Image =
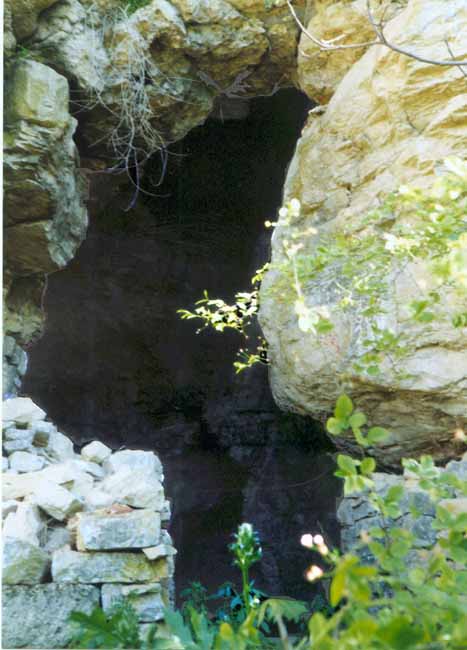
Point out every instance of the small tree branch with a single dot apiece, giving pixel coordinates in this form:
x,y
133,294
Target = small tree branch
x,y
378,28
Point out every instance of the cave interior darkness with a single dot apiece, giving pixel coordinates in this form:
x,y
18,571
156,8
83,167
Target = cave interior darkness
x,y
116,362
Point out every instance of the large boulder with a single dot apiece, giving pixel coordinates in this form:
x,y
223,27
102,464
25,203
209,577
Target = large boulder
x,y
392,121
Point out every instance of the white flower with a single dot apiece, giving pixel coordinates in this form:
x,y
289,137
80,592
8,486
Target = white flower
x,y
283,213
306,540
314,573
318,540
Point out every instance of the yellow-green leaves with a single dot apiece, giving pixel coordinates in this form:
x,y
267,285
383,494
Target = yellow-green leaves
x,y
345,418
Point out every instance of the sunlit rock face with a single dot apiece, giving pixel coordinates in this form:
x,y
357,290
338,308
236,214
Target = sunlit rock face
x,y
391,121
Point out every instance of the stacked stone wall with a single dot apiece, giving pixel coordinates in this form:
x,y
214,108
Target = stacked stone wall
x,y
79,530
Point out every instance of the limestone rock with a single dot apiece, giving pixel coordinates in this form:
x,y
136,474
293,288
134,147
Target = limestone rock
x,y
96,452
22,410
23,562
42,432
45,216
9,506
145,599
103,530
59,447
23,461
137,490
140,462
25,14
161,550
25,523
320,71
99,567
391,122
21,442
57,537
5,464
38,616
56,501
97,498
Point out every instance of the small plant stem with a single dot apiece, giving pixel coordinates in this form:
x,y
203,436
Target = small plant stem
x,y
246,589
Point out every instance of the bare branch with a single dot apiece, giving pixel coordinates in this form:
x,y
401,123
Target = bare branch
x,y
378,28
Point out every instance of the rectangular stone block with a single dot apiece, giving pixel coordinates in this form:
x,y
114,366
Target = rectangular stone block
x,y
147,600
97,567
23,563
38,616
102,531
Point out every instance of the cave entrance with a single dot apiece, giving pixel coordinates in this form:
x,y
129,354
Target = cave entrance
x,y
116,363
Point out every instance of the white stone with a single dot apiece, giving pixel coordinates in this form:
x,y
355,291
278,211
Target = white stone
x,y
23,563
5,464
96,452
102,567
23,443
56,501
22,410
16,487
138,461
139,490
97,498
145,599
59,447
25,523
161,550
42,432
9,506
23,461
81,486
57,537
86,466
104,531
14,434
166,511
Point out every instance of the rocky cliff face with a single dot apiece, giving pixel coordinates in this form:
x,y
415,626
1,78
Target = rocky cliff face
x,y
391,121
137,81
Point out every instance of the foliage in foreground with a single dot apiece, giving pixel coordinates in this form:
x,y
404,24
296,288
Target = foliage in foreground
x,y
420,231
388,603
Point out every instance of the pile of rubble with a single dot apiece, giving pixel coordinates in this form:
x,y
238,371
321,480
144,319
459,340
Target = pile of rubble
x,y
79,530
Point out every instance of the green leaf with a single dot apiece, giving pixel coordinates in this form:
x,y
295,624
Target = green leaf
x,y
367,466
287,608
335,426
357,420
337,589
347,464
344,407
377,434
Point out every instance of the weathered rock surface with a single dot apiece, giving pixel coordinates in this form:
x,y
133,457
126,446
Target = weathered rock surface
x,y
38,550
147,492
38,616
356,514
96,452
21,410
56,501
142,462
391,121
146,599
70,566
23,562
102,530
45,219
23,461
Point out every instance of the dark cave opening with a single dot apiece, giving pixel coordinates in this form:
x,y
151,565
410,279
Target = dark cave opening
x,y
117,363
